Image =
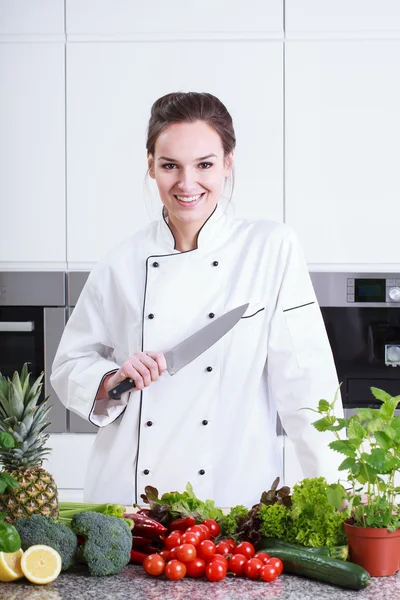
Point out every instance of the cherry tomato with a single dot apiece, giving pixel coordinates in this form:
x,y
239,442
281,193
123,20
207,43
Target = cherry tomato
x,y
165,555
236,564
206,549
175,570
245,548
198,531
268,572
174,539
172,554
186,553
231,543
190,538
221,559
215,571
253,568
276,563
206,530
263,556
196,568
222,548
154,564
212,526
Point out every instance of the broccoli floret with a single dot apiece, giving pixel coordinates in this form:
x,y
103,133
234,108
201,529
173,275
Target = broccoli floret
x,y
107,542
39,529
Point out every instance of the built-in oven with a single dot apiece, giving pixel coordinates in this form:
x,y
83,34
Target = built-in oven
x,y
32,319
362,318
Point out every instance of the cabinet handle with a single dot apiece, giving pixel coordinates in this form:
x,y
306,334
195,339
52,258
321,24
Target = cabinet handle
x,y
16,326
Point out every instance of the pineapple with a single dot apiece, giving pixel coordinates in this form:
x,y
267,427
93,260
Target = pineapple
x,y
21,416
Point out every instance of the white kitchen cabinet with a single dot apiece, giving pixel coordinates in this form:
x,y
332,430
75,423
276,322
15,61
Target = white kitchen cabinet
x,y
31,17
355,17
32,154
179,19
110,90
342,132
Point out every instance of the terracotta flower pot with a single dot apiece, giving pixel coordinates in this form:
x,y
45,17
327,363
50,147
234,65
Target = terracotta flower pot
x,y
376,550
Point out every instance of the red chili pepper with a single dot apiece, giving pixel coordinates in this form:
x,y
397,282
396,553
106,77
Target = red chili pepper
x,y
137,558
143,511
146,527
139,541
182,523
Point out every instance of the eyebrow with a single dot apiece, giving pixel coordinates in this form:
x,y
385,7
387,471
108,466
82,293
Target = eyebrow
x,y
195,160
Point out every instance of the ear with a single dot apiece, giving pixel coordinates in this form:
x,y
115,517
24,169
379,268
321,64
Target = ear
x,y
150,164
228,163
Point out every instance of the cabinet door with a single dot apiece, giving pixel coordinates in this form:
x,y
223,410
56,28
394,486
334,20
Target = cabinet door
x,y
342,132
31,17
110,90
32,140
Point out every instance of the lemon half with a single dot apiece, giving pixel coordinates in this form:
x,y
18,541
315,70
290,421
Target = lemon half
x,y
41,564
10,565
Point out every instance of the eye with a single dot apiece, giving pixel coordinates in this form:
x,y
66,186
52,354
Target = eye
x,y
205,165
168,166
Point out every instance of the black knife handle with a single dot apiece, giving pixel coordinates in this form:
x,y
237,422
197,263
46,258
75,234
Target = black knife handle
x,y
124,386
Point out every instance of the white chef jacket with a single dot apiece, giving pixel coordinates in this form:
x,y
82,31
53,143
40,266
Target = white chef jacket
x,y
214,422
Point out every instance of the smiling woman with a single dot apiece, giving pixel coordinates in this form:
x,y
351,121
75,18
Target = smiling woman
x,y
166,282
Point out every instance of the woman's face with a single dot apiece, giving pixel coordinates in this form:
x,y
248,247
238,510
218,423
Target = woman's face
x,y
189,168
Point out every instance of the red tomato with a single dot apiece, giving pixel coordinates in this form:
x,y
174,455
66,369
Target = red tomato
x,y
215,571
196,568
186,553
236,564
212,526
206,549
174,539
206,530
268,572
198,531
253,568
276,563
175,570
245,548
154,564
165,555
172,553
222,548
263,556
190,538
221,559
231,543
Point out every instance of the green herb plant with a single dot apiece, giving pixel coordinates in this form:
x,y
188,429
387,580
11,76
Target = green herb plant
x,y
372,451
6,481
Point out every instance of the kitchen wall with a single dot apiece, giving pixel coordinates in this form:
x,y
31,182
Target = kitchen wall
x,y
313,87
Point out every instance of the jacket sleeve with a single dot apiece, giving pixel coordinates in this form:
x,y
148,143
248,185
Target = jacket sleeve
x,y
300,365
83,359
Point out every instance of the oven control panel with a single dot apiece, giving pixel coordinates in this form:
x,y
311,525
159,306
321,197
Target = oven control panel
x,y
373,290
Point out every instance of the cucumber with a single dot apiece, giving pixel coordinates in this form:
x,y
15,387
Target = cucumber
x,y
322,568
341,552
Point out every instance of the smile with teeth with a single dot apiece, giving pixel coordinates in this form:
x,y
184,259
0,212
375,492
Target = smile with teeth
x,y
188,198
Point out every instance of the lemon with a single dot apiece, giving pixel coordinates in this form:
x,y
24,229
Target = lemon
x,y
41,564
10,565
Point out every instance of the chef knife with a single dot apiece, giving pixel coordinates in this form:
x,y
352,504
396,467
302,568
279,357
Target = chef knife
x,y
186,351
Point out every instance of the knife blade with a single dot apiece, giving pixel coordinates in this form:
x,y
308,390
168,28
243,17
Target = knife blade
x,y
186,351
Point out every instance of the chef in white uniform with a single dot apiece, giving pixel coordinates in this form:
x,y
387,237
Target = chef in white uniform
x,y
214,422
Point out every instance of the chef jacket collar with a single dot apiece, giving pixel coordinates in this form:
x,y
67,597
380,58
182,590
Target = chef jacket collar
x,y
207,234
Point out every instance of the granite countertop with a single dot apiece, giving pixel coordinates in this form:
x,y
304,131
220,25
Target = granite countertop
x,y
134,584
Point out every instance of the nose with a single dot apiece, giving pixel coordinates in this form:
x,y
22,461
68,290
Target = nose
x,y
186,180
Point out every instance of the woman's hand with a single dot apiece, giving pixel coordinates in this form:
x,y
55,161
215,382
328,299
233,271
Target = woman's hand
x,y
142,367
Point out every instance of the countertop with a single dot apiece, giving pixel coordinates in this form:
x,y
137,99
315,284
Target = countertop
x,y
134,584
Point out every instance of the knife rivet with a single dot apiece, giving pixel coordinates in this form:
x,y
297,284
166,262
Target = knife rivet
x,y
146,472
156,264
149,423
202,472
205,422
215,263
211,315
151,316
209,369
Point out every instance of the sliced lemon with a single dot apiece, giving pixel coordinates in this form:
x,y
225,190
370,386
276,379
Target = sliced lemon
x,y
41,564
10,565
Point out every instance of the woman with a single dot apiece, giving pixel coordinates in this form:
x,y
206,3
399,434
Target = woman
x,y
213,423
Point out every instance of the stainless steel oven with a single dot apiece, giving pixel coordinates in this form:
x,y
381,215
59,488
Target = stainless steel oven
x,y
32,319
362,317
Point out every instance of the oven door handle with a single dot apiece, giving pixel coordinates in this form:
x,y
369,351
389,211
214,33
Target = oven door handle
x,y
16,326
